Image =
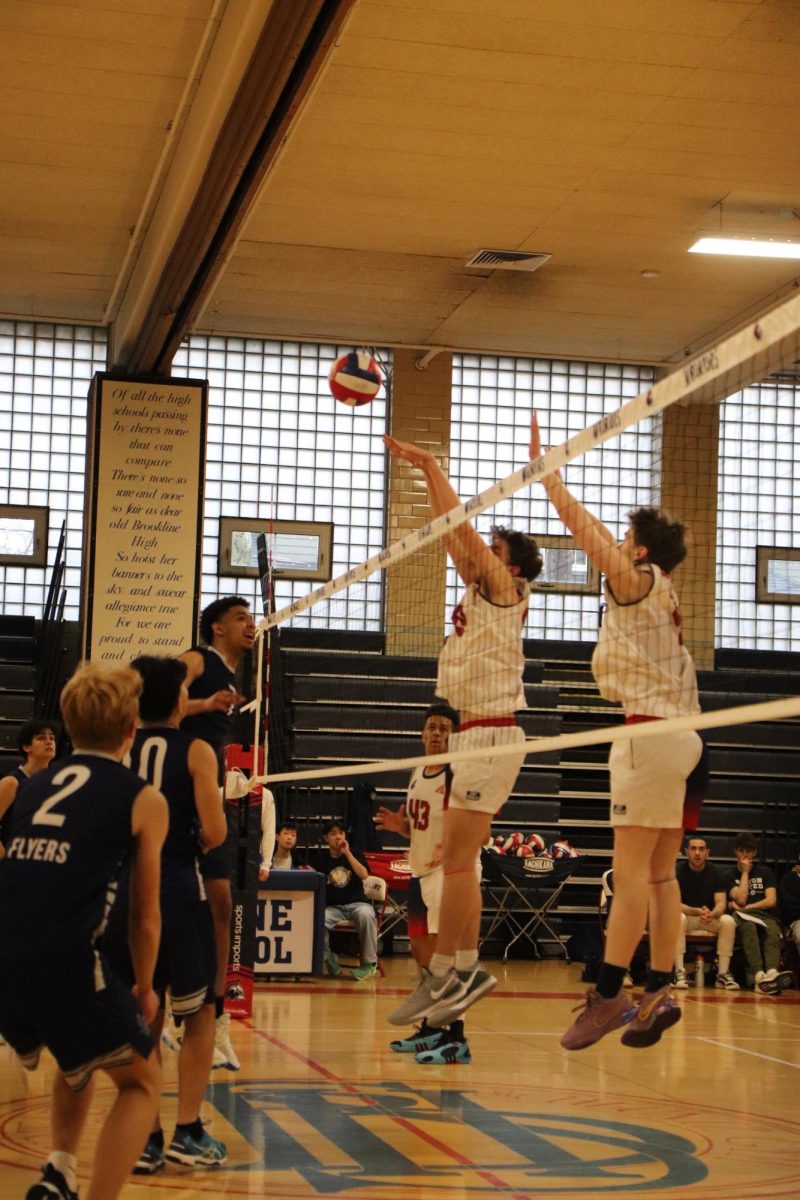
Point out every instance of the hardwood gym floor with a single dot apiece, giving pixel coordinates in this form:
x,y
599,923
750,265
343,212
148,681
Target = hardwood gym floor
x,y
322,1107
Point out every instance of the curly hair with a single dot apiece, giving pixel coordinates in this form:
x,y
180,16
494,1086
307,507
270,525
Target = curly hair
x,y
216,609
522,551
663,539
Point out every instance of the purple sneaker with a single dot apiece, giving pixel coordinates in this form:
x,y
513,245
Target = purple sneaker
x,y
598,1016
655,1012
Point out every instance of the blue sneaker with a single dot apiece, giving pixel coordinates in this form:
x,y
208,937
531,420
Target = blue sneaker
x,y
365,971
445,1052
151,1159
204,1151
423,1038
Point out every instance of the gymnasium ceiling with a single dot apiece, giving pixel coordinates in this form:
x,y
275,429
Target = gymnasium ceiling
x,y
324,169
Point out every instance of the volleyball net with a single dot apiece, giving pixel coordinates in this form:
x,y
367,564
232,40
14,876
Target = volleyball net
x,y
416,613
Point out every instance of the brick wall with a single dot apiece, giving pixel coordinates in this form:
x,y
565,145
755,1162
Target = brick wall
x,y
415,588
690,445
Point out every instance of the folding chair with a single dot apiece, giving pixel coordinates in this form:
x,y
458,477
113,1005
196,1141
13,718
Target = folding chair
x,y
395,869
524,891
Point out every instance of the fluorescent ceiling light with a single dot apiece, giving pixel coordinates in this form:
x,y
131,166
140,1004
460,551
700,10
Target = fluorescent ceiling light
x,y
745,247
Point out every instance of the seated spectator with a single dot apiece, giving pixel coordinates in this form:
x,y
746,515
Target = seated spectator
x,y
789,900
345,873
753,901
36,743
704,899
282,854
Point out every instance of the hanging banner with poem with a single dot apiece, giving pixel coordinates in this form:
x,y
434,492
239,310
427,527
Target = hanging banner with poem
x,y
144,524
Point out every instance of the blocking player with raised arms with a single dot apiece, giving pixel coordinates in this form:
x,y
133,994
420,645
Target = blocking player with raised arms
x,y
75,825
228,629
421,819
184,769
480,675
641,661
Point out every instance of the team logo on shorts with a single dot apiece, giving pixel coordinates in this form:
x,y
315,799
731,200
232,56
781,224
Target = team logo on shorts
x,y
620,810
473,796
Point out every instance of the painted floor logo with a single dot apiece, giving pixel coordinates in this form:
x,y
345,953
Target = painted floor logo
x,y
391,1135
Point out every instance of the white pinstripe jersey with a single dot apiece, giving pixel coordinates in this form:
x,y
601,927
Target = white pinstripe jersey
x,y
640,658
481,663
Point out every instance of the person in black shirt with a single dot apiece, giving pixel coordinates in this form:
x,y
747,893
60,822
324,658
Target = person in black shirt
x,y
76,825
704,900
36,742
228,629
753,899
345,873
185,770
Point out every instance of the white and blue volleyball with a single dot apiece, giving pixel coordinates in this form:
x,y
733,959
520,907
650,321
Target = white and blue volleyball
x,y
355,378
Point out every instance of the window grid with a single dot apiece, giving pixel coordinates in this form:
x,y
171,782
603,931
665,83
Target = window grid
x,y
45,373
490,431
759,478
279,445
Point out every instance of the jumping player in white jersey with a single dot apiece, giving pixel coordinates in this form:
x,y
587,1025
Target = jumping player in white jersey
x,y
641,661
421,819
480,675
75,825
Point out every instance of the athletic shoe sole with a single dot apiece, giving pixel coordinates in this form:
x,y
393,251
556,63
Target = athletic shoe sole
x,y
640,1038
784,980
185,1159
451,1052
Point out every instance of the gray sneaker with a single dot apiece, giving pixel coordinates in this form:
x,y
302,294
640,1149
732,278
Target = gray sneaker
x,y
473,985
430,991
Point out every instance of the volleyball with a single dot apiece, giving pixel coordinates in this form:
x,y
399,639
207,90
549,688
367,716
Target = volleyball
x,y
524,851
512,841
355,378
536,842
562,849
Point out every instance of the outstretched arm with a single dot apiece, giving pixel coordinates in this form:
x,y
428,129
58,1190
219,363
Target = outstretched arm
x,y
473,559
591,535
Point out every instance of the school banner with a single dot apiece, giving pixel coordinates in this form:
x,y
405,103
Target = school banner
x,y
142,553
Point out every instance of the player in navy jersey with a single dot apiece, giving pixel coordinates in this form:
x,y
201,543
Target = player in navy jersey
x,y
76,825
36,743
228,629
184,769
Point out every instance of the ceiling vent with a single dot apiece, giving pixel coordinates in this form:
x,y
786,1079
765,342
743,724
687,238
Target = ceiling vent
x,y
507,260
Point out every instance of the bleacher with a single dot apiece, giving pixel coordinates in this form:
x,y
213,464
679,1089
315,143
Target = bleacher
x,y
348,702
17,681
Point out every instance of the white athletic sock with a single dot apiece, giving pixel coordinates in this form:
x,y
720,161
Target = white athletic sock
x,y
440,964
466,960
724,964
67,1164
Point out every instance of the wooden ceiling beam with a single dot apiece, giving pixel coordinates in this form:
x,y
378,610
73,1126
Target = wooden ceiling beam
x,y
287,58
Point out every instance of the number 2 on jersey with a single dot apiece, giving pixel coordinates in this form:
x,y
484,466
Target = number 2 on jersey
x,y
77,777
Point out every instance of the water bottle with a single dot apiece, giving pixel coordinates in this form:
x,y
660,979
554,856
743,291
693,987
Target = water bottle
x,y
700,971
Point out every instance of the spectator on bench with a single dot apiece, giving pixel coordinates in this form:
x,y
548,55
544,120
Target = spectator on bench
x,y
753,900
704,899
789,900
